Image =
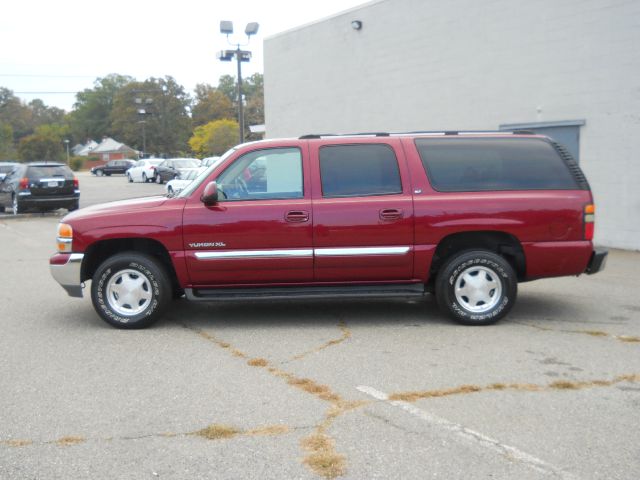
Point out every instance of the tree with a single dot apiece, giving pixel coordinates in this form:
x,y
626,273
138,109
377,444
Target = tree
x,y
7,148
15,113
91,117
165,120
44,144
215,137
210,104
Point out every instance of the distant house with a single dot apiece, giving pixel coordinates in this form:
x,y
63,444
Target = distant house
x,y
84,150
109,149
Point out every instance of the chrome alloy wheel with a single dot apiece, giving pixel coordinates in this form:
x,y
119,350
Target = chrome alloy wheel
x,y
478,289
129,292
15,207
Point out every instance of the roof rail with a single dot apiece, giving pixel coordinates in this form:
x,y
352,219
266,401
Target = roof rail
x,y
420,132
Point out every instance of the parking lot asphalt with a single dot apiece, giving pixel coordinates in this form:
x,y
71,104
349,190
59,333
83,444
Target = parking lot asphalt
x,y
319,389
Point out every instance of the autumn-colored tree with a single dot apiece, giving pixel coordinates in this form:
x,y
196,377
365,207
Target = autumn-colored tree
x,y
214,138
210,104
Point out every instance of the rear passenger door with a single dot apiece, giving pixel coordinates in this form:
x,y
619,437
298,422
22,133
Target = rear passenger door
x,y
362,212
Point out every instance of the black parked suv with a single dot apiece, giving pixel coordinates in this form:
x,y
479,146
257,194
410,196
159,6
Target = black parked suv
x,y
113,166
39,186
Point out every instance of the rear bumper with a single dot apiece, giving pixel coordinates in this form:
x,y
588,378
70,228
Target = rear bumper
x,y
65,269
28,200
597,262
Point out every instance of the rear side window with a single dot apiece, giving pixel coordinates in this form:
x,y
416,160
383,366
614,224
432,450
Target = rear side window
x,y
359,170
44,171
481,164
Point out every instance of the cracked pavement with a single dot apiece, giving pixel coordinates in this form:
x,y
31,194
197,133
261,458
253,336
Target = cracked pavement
x,y
348,389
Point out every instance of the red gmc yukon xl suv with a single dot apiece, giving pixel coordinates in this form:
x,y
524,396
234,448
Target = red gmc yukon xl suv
x,y
465,216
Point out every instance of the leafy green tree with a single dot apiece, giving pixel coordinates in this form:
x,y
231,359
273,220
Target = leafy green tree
x,y
210,104
44,144
165,125
7,147
214,138
91,117
15,113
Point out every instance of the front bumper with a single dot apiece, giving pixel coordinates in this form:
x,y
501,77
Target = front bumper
x,y
65,268
598,261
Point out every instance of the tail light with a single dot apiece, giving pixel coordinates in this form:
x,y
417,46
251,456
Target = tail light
x,y
24,184
589,221
76,183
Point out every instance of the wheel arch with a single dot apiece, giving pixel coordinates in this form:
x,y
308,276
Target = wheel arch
x,y
99,251
501,243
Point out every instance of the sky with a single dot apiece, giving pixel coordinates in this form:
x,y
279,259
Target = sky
x,y
64,46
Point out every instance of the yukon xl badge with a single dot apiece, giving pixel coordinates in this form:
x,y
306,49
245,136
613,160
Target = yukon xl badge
x,y
207,244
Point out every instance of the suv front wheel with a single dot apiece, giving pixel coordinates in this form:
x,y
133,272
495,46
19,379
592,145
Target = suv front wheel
x,y
130,290
476,287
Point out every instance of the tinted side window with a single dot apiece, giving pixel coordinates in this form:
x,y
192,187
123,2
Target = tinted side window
x,y
359,170
274,173
481,164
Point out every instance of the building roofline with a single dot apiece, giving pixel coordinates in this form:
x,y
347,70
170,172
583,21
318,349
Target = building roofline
x,y
323,19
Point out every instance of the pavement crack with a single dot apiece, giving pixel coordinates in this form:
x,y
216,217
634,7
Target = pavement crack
x,y
321,457
413,396
591,333
346,334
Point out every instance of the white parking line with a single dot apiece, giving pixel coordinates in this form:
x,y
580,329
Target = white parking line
x,y
468,434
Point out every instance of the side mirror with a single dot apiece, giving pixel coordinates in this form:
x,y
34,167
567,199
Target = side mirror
x,y
210,194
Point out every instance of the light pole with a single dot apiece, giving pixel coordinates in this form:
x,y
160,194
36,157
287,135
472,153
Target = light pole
x,y
226,28
66,142
142,113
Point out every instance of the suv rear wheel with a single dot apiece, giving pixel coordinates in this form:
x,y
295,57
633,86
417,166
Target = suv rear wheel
x,y
476,287
130,290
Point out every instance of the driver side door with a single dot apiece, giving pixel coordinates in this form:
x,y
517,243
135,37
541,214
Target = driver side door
x,y
260,231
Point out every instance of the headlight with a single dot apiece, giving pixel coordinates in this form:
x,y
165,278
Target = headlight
x,y
65,238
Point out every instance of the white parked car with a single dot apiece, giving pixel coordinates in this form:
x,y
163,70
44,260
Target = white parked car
x,y
144,170
177,184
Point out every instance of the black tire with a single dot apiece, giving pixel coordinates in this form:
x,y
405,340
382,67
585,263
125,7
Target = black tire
x,y
159,179
129,178
144,177
74,206
170,190
133,267
481,304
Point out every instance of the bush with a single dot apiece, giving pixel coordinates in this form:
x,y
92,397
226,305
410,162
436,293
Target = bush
x,y
76,163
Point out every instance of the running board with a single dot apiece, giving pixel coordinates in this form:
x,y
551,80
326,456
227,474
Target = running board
x,y
295,293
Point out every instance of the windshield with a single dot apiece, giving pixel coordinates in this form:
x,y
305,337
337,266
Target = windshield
x,y
204,174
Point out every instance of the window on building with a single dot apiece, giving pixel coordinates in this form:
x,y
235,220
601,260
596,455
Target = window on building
x,y
359,170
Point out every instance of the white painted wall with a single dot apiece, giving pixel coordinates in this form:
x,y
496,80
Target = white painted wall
x,y
465,64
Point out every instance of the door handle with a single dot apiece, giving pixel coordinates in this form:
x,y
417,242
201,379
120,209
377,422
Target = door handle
x,y
297,216
390,214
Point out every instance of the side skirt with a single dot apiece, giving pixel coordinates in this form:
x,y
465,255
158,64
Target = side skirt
x,y
316,292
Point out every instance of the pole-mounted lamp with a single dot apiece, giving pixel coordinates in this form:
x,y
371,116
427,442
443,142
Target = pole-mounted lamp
x,y
226,28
